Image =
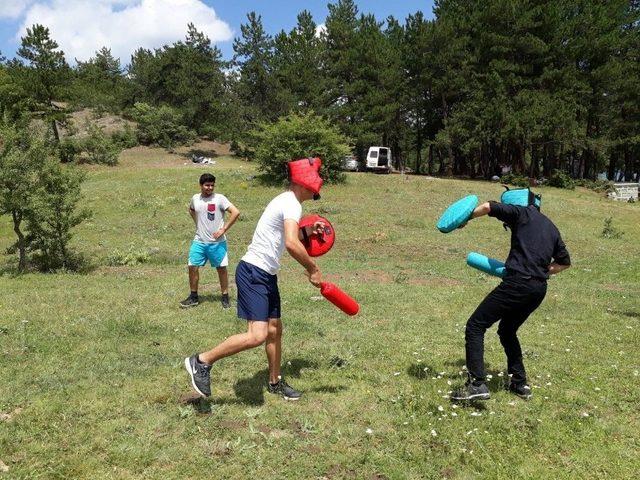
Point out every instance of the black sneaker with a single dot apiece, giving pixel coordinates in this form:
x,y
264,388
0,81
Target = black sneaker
x,y
284,389
225,301
200,375
189,302
471,392
522,390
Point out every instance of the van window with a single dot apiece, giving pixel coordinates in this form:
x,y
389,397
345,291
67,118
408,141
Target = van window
x,y
373,154
383,151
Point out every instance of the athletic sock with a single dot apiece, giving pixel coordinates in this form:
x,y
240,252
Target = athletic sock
x,y
194,294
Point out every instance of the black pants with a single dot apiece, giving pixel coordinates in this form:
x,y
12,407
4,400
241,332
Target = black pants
x,y
511,302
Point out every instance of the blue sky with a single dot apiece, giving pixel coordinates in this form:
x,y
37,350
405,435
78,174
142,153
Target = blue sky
x,y
83,26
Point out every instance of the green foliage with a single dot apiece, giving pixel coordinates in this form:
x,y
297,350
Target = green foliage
x,y
609,231
125,138
601,186
515,180
53,213
97,147
20,157
160,126
299,136
560,179
129,257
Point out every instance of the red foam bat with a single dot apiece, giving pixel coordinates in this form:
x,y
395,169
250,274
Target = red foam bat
x,y
339,298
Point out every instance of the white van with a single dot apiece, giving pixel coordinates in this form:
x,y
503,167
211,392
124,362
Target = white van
x,y
379,158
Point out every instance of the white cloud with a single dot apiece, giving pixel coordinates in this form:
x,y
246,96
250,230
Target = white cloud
x,y
83,26
13,8
321,30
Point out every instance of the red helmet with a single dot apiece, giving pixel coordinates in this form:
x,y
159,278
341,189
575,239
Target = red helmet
x,y
305,172
317,244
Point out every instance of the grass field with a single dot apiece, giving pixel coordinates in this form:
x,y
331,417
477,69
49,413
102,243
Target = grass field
x,y
93,385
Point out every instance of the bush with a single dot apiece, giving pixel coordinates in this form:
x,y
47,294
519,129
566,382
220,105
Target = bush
x,y
130,257
125,138
97,147
162,126
53,213
560,179
609,231
69,149
299,136
601,186
515,180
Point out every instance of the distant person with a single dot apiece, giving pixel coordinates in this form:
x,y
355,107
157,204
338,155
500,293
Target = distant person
x,y
537,251
257,281
207,209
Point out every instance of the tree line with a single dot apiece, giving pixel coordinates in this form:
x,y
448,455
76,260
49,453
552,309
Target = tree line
x,y
534,86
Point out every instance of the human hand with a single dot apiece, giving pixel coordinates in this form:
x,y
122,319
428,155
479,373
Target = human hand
x,y
218,234
315,278
318,227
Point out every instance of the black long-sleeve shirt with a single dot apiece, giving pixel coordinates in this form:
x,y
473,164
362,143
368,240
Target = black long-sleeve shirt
x,y
535,241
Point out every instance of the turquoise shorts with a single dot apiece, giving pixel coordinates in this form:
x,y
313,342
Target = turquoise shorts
x,y
216,253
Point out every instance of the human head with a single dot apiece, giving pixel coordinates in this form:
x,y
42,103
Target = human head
x,y
305,173
207,184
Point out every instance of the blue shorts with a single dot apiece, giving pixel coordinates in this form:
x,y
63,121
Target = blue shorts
x,y
258,294
216,253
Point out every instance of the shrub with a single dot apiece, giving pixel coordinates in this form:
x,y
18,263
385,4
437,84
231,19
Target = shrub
x,y
515,180
130,257
601,186
125,138
560,179
162,126
609,231
97,147
299,136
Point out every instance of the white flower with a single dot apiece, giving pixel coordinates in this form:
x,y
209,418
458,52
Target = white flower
x,y
585,414
454,414
369,431
440,408
434,433
476,414
395,374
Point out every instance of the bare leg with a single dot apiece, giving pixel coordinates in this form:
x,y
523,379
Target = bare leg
x,y
224,280
194,278
273,347
256,335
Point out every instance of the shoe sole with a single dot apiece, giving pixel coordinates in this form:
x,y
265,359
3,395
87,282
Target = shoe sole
x,y
478,396
187,365
291,399
189,306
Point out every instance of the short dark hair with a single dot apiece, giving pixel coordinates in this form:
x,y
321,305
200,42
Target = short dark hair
x,y
207,178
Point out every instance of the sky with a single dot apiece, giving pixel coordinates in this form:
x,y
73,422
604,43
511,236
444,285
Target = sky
x,y
83,26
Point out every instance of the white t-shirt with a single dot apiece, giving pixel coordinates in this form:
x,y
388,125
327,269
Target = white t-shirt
x,y
268,240
209,216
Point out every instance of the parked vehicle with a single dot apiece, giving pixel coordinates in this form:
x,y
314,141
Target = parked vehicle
x,y
350,163
379,159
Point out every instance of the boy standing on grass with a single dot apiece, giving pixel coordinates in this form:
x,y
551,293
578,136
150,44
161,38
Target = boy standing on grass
x,y
258,294
207,210
537,251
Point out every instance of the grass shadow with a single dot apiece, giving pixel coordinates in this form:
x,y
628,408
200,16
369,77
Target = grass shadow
x,y
199,152
250,391
420,371
628,313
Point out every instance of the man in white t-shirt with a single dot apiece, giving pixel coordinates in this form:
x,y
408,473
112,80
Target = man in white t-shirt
x,y
258,294
210,243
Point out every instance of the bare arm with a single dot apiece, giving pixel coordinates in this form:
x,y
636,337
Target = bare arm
x,y
299,253
556,268
482,209
234,213
192,212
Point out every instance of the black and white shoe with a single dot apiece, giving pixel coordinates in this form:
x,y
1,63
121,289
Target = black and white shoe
x,y
189,302
225,301
284,389
200,375
471,392
522,390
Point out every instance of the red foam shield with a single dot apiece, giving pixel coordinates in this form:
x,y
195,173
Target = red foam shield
x,y
317,244
305,172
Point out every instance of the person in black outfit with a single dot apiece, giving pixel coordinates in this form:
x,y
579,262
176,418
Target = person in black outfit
x,y
537,251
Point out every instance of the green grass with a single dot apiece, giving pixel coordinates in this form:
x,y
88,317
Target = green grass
x,y
91,365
